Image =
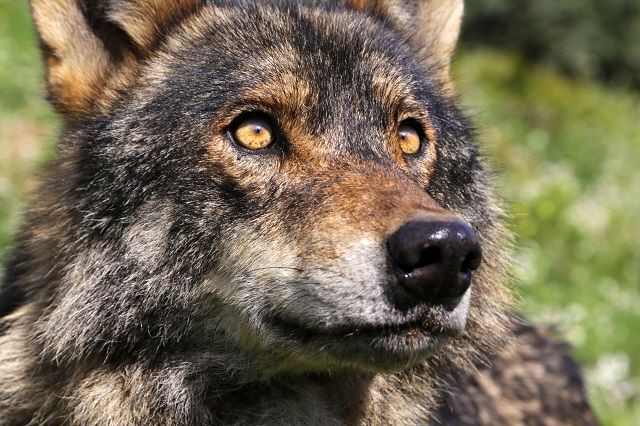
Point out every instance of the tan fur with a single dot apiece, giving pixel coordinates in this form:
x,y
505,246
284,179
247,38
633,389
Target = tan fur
x,y
77,61
82,77
145,20
444,19
434,25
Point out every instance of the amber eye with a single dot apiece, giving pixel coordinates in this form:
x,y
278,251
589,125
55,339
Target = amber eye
x,y
410,138
253,133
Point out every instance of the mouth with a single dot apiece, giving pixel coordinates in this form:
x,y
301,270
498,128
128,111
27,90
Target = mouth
x,y
378,347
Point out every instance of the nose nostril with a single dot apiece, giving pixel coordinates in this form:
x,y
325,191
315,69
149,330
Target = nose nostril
x,y
429,256
471,261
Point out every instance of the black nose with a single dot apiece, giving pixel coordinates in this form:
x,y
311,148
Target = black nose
x,y
434,260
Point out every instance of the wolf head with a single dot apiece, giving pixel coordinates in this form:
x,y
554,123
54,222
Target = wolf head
x,y
289,184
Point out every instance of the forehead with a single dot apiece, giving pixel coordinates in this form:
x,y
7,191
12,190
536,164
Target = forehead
x,y
328,62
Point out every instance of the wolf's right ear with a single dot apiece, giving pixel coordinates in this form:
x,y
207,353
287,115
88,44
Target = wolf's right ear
x,y
90,46
433,26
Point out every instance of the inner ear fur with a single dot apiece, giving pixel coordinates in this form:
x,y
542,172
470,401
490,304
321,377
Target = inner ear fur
x,y
145,21
432,25
91,46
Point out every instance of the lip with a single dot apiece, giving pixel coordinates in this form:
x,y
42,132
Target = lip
x,y
378,347
300,332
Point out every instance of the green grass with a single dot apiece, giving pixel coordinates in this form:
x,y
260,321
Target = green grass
x,y
568,154
26,123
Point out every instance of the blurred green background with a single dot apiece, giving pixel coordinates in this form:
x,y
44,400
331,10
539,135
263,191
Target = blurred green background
x,y
553,87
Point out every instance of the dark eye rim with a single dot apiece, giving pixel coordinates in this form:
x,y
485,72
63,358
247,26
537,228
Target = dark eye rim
x,y
277,134
420,130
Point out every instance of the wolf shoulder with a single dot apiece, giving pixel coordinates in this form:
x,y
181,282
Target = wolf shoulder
x,y
532,381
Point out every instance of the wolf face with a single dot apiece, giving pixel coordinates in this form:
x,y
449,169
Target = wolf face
x,y
288,186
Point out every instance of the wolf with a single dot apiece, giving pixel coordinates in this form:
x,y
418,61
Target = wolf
x,y
268,212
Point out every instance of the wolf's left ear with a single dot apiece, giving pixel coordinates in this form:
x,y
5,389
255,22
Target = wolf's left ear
x,y
91,46
432,25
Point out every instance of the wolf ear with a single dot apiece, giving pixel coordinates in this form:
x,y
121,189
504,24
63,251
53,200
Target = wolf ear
x,y
90,46
146,21
432,25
